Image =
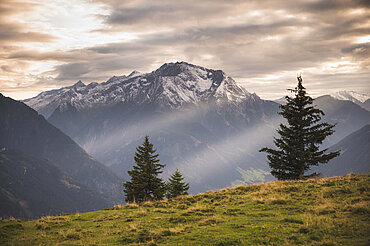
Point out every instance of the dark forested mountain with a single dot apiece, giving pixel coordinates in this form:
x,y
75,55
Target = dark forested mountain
x,y
33,187
22,128
199,119
355,155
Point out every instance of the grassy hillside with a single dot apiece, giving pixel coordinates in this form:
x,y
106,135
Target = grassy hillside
x,y
333,211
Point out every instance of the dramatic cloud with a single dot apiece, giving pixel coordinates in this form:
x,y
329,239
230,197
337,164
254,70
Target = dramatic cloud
x,y
15,31
72,70
261,44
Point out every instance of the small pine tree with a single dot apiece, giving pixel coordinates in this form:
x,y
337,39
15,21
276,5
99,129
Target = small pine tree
x,y
299,141
176,186
145,185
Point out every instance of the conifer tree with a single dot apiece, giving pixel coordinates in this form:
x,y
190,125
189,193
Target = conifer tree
x,y
176,186
298,145
145,185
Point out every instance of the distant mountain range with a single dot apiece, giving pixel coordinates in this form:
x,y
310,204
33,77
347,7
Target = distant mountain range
x,y
362,99
48,150
354,157
199,119
348,116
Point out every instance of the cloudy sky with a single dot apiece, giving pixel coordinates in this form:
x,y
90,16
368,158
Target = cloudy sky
x,y
261,44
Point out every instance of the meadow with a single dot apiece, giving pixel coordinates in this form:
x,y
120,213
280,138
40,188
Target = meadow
x,y
327,211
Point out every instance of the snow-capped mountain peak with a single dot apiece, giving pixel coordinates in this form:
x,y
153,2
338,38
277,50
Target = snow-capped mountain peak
x,y
78,84
170,86
134,74
194,83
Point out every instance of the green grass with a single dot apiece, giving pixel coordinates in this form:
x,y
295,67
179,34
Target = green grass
x,y
333,211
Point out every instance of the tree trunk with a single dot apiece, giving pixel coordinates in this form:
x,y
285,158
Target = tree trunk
x,y
301,174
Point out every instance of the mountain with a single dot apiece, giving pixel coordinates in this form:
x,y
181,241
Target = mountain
x,y
280,100
352,96
199,119
46,102
354,157
33,187
355,97
23,129
348,116
171,86
366,105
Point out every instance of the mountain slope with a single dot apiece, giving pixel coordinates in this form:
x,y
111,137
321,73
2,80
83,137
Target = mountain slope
x,y
21,128
330,211
355,155
46,102
366,105
31,188
348,116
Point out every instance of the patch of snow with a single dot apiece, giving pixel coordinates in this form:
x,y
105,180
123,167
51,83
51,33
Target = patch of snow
x,y
134,74
353,96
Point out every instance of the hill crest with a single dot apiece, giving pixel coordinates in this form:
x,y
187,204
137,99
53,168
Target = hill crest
x,y
330,211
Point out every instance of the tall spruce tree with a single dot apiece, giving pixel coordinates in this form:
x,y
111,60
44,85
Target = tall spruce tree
x,y
145,185
298,145
176,186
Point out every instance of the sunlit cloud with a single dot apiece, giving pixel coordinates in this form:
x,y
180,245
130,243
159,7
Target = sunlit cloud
x,y
340,66
357,11
363,39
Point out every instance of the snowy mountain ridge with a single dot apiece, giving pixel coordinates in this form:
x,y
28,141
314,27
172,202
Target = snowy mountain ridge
x,y
352,96
173,85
